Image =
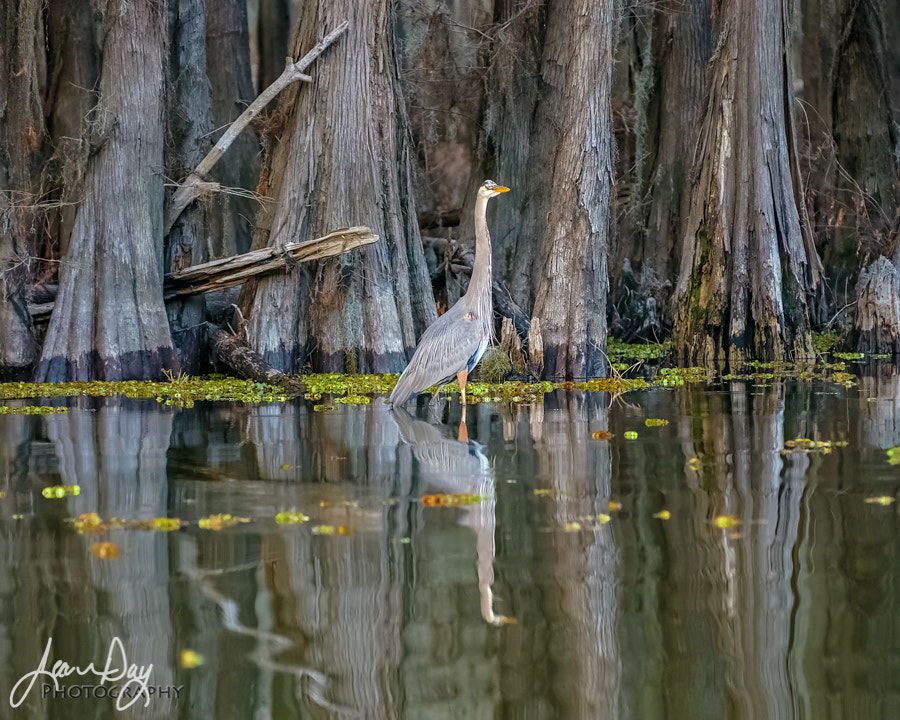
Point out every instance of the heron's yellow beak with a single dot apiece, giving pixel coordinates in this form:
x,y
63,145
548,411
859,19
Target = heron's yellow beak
x,y
500,189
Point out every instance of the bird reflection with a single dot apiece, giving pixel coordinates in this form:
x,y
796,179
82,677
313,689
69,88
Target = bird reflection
x,y
459,467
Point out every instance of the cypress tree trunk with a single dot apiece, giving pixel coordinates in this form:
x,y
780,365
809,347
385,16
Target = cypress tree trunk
x,y
231,91
109,321
571,294
21,138
272,25
849,51
547,135
342,158
188,126
668,66
748,266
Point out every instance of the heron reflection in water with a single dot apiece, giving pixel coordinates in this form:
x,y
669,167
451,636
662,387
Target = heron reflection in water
x,y
454,343
459,467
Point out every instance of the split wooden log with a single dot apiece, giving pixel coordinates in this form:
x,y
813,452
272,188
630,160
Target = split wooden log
x,y
535,364
877,324
198,180
228,272
512,346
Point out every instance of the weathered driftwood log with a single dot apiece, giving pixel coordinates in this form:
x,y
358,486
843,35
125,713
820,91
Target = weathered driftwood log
x,y
241,360
535,364
511,344
232,271
877,324
196,182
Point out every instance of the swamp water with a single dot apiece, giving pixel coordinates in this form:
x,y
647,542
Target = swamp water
x,y
376,565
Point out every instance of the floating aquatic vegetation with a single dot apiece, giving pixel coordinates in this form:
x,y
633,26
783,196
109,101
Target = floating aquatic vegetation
x,y
105,550
662,515
883,500
726,522
332,530
452,499
602,435
191,659
60,491
618,351
220,521
807,445
893,455
354,400
675,377
182,391
694,464
655,422
93,524
291,518
630,435
33,410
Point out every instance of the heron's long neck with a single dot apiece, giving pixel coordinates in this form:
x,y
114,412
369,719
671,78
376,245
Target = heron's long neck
x,y
481,271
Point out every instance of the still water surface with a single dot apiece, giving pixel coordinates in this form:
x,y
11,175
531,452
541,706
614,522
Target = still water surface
x,y
731,577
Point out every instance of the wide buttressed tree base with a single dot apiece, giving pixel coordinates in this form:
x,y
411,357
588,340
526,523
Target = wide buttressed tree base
x,y
749,269
109,321
340,158
547,135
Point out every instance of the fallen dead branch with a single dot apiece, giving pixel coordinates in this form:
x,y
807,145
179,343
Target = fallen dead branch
x,y
199,178
229,272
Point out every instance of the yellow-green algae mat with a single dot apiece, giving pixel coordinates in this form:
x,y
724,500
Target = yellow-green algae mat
x,y
182,391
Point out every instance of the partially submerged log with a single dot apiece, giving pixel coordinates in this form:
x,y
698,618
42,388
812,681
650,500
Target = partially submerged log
x,y
877,324
232,351
229,272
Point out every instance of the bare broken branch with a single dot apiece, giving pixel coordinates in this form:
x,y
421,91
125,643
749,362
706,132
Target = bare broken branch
x,y
228,272
293,72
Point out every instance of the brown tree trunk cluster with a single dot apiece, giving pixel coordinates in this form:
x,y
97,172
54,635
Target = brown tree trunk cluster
x,y
726,167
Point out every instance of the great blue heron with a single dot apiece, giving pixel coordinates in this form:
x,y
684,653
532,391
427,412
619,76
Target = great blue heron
x,y
455,342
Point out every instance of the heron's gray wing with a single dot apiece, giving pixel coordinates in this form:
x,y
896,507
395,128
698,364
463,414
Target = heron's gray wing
x,y
444,349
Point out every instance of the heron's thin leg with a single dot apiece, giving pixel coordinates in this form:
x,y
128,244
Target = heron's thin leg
x,y
461,377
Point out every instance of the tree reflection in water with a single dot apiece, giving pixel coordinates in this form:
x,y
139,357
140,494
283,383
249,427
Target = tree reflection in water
x,y
376,606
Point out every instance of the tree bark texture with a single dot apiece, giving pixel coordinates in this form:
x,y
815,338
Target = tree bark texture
x,y
231,90
876,328
187,127
747,269
444,93
22,135
342,158
73,71
848,56
667,46
109,321
571,294
547,135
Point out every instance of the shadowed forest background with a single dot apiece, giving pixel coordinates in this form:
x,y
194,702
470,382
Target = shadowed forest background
x,y
722,172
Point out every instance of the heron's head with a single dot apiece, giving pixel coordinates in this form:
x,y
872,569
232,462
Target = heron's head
x,y
490,188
